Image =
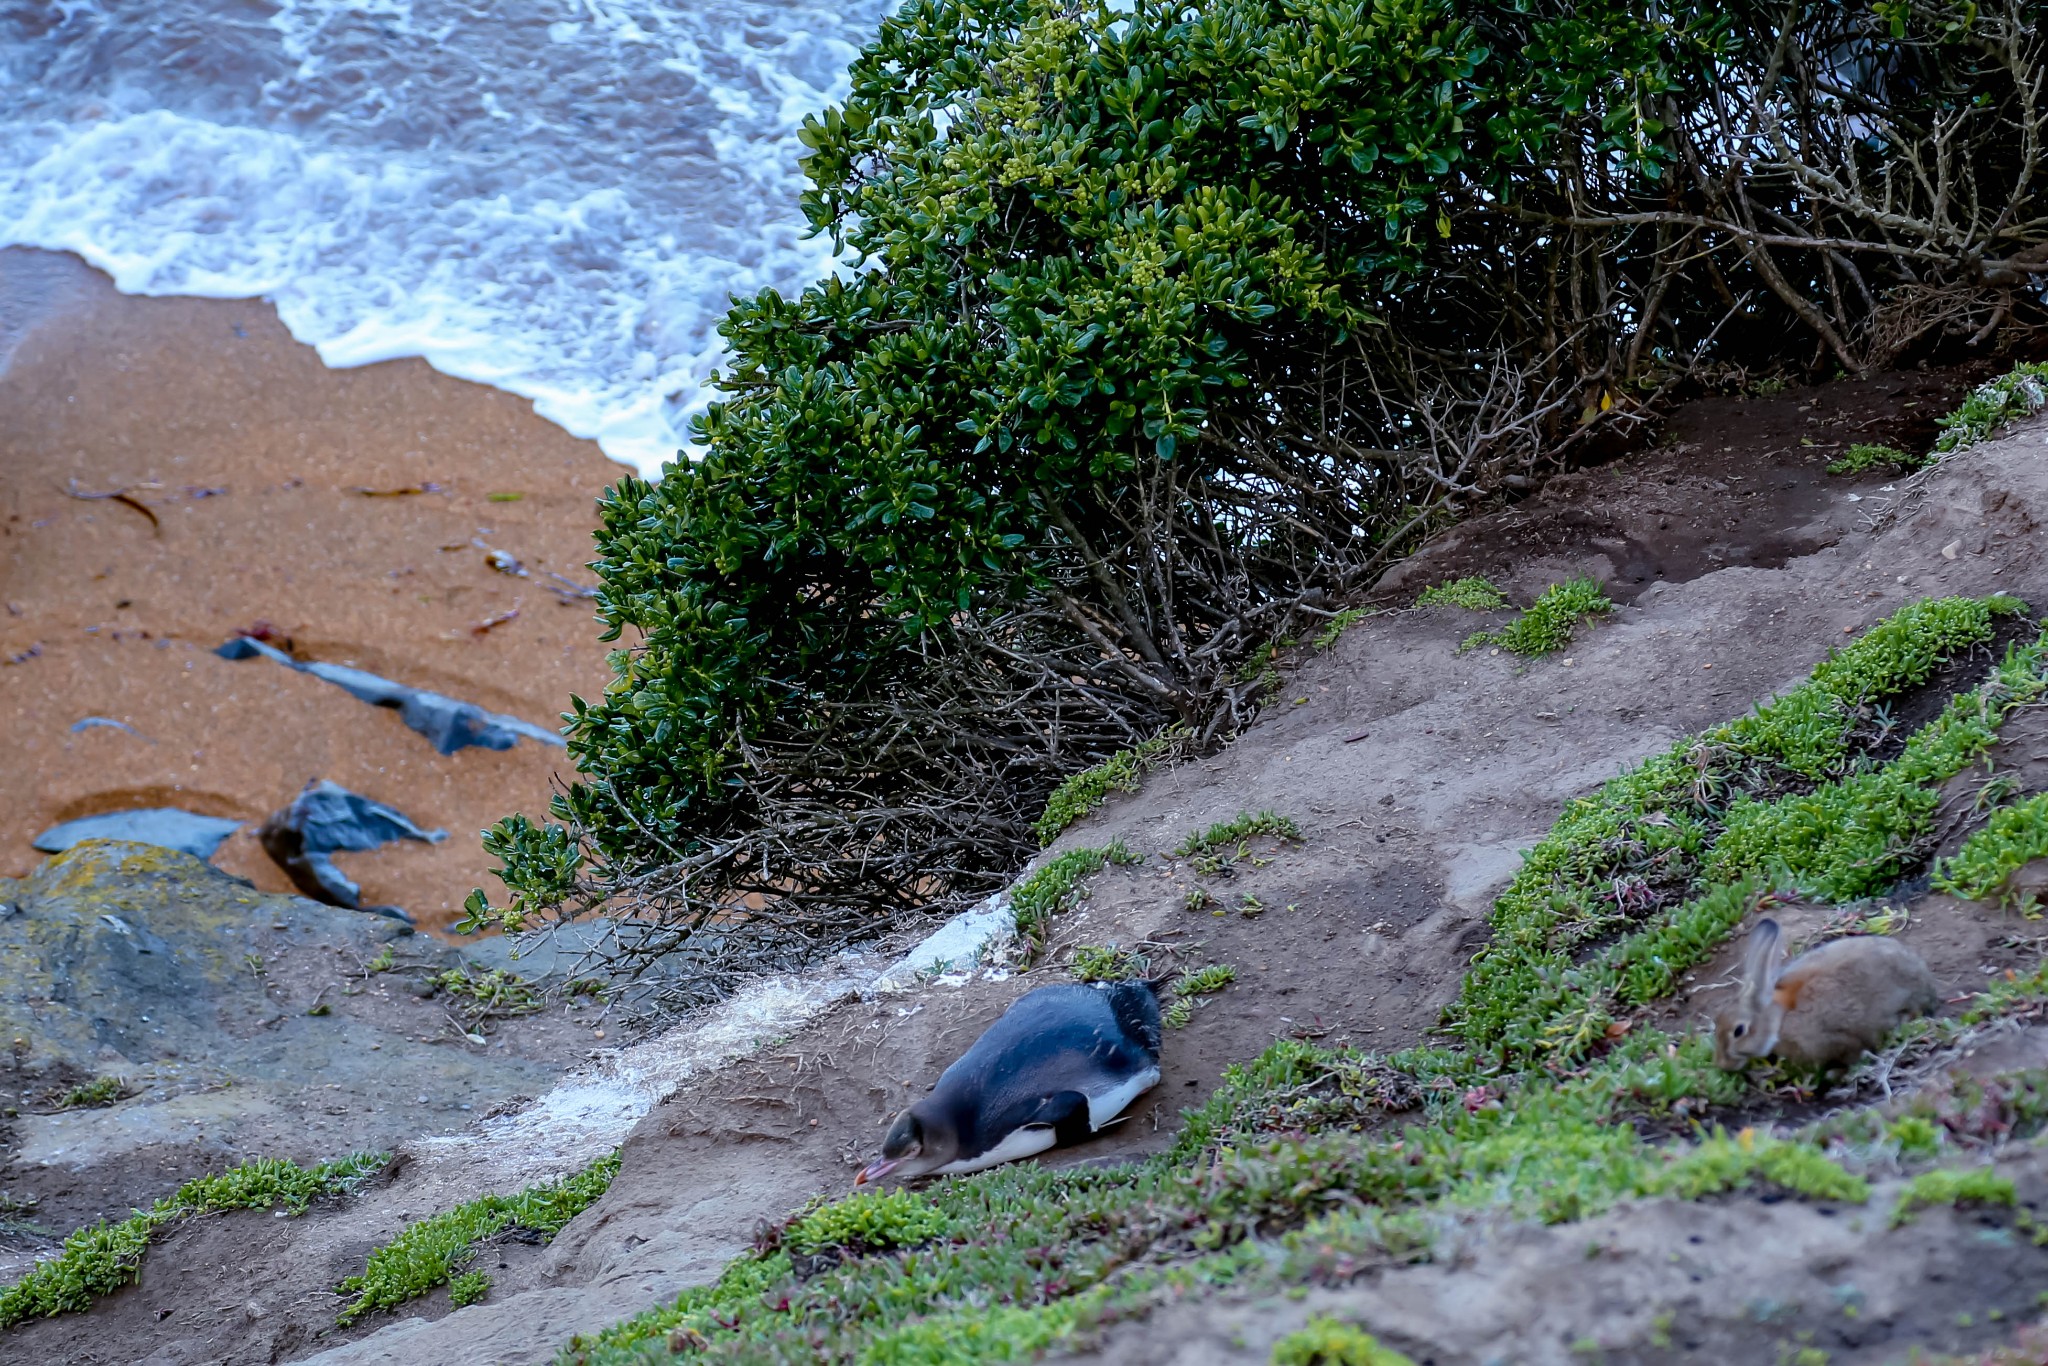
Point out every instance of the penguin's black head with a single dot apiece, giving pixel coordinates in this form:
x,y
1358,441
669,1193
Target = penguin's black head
x,y
915,1146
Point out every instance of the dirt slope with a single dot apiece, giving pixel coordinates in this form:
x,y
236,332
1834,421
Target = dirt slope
x,y
1416,773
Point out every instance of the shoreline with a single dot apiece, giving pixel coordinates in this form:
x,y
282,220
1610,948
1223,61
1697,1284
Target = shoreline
x,y
261,489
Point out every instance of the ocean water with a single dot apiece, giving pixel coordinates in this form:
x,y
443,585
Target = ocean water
x,y
554,197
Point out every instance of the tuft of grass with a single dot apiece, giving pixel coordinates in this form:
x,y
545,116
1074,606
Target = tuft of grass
x,y
1474,594
101,1258
433,1251
96,1094
1863,457
1947,1186
2020,392
1547,626
1341,623
2014,837
1332,1342
1235,831
1120,772
1057,886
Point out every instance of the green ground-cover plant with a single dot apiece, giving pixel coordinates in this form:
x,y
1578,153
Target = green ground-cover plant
x,y
1951,1186
2015,836
104,1257
1243,826
1664,860
1332,1342
1191,989
1863,457
1103,963
1337,625
2020,392
468,1288
1088,789
1057,885
96,1094
1475,593
1160,331
1548,624
436,1250
486,993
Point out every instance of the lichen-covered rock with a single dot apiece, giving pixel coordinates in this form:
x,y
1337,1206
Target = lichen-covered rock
x,y
120,956
237,1023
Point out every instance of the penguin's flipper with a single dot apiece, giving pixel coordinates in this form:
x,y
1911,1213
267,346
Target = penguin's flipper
x,y
1066,1114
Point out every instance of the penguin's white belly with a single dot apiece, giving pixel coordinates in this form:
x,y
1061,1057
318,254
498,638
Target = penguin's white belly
x,y
1018,1143
1034,1139
1107,1106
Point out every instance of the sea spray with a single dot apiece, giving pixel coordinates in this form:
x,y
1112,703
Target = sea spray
x,y
553,198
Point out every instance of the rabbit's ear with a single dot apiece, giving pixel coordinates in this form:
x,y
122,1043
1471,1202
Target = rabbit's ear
x,y
1760,963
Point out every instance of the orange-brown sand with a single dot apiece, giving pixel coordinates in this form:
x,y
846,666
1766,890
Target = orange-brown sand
x,y
250,456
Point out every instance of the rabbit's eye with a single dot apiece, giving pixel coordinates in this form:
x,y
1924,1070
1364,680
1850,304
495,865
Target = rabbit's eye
x,y
1740,1030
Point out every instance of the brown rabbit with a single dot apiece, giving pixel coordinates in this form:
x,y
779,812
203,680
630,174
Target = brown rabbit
x,y
1824,1007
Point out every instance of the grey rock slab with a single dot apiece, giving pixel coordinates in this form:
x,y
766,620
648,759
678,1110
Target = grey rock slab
x,y
186,831
244,1024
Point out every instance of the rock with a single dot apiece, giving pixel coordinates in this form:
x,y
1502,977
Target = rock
x,y
167,826
449,724
199,991
324,818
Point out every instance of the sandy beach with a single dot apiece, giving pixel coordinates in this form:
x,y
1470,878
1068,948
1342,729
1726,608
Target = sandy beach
x,y
271,485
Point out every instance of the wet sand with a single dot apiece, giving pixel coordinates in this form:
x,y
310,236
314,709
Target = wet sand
x,y
251,456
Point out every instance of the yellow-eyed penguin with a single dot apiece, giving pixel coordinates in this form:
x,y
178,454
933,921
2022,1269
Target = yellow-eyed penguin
x,y
1059,1065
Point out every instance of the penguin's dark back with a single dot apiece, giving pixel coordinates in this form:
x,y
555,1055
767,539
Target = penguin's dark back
x,y
1049,1032
1136,1005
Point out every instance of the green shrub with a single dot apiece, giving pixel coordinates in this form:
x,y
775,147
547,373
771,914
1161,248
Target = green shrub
x,y
1547,626
433,1251
104,1257
1165,327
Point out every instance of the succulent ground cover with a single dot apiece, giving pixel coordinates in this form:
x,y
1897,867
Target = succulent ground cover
x,y
102,1258
1549,1097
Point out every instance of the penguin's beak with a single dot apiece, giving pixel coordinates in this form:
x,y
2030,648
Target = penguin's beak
x,y
875,1171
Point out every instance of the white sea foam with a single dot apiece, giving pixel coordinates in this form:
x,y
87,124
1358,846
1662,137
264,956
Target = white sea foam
x,y
555,197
